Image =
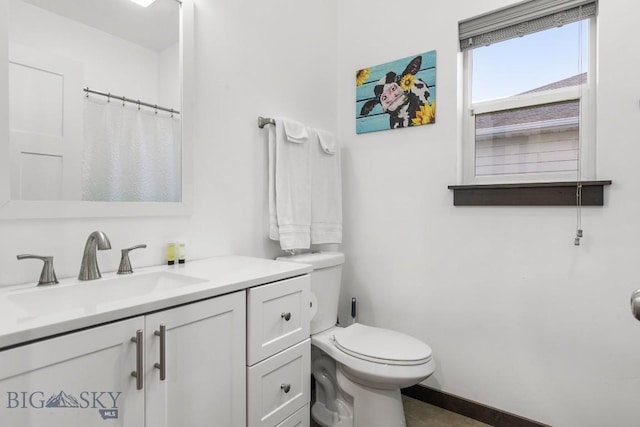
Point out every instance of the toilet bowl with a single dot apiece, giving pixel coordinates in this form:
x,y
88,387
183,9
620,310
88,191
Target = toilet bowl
x,y
376,357
371,366
358,370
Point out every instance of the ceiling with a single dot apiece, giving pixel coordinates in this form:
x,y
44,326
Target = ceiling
x,y
155,27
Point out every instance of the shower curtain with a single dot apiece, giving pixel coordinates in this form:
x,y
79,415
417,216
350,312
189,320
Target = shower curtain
x,y
130,154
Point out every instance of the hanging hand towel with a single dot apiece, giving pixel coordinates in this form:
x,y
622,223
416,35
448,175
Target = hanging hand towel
x,y
289,185
274,234
326,188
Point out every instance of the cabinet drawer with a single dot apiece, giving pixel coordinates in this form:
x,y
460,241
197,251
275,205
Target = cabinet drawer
x,y
277,317
302,418
279,386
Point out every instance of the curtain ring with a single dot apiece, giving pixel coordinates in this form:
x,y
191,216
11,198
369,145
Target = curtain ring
x,y
109,97
156,107
86,90
123,98
138,105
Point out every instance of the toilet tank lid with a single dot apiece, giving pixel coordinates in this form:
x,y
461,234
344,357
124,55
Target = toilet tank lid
x,y
316,259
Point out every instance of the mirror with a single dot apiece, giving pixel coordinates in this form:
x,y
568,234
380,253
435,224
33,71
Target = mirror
x,y
95,108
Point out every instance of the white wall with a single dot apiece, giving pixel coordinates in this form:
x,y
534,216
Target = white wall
x,y
169,77
110,64
253,58
517,316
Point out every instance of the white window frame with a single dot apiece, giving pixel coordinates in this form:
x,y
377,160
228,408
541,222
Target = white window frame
x,y
587,129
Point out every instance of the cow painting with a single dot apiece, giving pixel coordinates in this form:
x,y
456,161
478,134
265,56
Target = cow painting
x,y
403,97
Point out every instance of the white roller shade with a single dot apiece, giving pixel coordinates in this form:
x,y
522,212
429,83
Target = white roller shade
x,y
521,19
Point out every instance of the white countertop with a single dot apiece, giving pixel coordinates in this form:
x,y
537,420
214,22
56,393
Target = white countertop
x,y
219,275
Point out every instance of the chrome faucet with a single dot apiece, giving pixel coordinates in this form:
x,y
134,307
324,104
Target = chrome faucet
x,y
89,268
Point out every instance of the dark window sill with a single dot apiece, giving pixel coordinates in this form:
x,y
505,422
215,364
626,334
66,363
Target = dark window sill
x,y
529,194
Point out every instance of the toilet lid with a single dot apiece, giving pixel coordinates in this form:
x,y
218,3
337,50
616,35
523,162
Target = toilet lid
x,y
381,345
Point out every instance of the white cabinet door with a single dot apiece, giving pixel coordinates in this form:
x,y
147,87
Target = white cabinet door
x,y
205,381
75,380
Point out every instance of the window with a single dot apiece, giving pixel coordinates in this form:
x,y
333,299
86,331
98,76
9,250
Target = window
x,y
529,94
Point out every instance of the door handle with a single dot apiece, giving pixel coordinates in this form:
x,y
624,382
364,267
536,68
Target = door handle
x,y
139,372
162,333
635,304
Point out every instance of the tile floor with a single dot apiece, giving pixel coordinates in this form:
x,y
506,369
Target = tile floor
x,y
420,414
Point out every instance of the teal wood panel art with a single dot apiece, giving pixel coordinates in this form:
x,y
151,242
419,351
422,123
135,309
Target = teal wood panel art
x,y
397,94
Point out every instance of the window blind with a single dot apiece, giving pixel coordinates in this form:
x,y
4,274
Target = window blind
x,y
522,19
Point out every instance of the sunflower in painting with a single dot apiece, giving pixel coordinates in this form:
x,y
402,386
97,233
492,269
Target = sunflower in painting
x,y
426,115
407,82
362,76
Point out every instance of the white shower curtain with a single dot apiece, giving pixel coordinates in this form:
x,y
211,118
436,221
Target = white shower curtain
x,y
130,154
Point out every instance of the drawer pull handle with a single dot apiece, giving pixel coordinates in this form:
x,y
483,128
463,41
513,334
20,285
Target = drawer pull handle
x,y
285,387
286,316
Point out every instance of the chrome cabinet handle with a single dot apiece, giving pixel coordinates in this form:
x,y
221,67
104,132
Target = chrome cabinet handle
x,y
635,304
285,387
139,372
286,316
162,333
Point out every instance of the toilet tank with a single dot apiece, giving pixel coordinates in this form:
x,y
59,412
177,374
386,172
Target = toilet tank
x,y
325,285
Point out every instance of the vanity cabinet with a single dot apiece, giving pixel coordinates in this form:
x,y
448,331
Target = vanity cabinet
x,y
77,379
85,378
279,354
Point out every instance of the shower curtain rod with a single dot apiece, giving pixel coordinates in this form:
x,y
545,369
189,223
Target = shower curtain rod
x,y
132,101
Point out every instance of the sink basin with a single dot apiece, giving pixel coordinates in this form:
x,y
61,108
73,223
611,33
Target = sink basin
x,y
97,295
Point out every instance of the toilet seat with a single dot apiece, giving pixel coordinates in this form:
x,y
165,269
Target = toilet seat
x,y
381,345
378,373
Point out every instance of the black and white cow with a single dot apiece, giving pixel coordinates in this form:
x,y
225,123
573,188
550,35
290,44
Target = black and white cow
x,y
401,105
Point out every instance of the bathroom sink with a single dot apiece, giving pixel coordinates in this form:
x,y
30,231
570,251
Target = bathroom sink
x,y
98,295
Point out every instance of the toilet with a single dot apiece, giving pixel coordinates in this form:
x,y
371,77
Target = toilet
x,y
358,370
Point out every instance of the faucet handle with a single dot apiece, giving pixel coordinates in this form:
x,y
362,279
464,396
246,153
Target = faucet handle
x,y
125,263
48,275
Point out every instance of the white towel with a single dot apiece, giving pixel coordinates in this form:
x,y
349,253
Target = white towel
x,y
274,234
326,188
289,184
